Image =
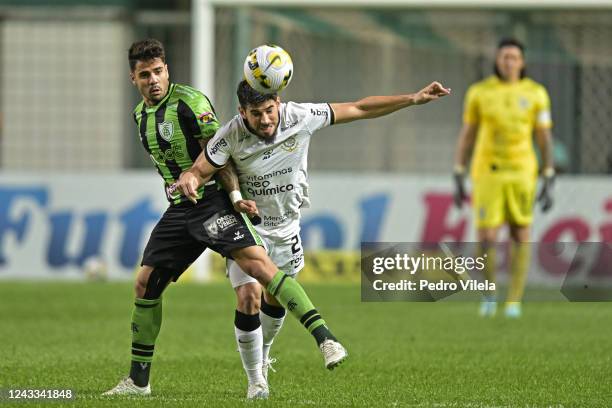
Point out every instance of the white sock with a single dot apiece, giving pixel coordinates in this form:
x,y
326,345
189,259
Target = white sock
x,y
250,348
270,327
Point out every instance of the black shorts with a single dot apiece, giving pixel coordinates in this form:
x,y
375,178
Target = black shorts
x,y
186,230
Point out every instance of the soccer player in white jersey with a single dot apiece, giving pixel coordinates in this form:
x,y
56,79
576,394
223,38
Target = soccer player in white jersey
x,y
268,142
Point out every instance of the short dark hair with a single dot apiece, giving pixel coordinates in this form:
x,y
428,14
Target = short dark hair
x,y
510,42
146,50
249,96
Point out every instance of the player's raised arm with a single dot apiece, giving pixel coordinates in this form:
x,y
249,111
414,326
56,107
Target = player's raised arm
x,y
376,106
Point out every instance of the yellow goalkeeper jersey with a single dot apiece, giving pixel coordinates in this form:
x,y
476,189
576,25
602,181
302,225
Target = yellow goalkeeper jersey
x,y
506,115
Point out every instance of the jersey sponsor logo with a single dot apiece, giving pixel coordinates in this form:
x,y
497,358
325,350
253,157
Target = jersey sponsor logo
x,y
290,144
267,154
221,143
318,112
159,157
276,220
172,192
261,188
206,117
275,173
166,130
288,126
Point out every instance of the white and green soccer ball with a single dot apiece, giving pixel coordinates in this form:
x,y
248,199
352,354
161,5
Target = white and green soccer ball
x,y
268,68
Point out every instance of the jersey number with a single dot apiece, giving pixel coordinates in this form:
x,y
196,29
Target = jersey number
x,y
295,247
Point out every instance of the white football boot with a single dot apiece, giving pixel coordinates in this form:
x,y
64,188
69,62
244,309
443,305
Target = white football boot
x,y
258,391
127,387
333,353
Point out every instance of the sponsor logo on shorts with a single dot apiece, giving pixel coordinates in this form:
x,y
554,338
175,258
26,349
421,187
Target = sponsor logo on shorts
x,y
219,223
238,236
212,229
296,260
226,221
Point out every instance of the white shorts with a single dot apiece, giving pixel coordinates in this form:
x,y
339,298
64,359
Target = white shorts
x,y
287,255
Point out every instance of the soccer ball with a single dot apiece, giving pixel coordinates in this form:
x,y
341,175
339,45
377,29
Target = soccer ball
x,y
268,68
95,269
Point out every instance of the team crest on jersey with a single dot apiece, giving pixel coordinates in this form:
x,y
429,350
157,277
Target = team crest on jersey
x,y
523,102
290,144
166,130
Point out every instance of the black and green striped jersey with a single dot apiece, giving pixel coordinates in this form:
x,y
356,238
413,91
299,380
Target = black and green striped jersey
x,y
171,132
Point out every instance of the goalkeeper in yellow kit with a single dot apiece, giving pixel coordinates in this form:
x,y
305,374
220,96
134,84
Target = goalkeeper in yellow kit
x,y
501,115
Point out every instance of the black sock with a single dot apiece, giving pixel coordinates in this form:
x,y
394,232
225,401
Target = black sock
x,y
273,311
322,333
139,373
246,322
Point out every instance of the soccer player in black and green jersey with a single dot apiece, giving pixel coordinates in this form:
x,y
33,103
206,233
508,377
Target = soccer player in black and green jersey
x,y
174,122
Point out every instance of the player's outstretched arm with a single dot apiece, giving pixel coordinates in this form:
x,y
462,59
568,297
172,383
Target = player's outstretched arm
x,y
376,106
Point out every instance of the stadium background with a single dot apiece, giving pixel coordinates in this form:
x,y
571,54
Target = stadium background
x,y
77,190
66,127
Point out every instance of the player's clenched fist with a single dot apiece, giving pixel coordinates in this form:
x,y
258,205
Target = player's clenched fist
x,y
431,92
188,184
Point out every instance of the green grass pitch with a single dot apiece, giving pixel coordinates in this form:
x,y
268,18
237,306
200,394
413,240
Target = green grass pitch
x,y
76,335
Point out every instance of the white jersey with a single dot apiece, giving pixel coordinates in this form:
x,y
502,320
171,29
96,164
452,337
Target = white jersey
x,y
273,173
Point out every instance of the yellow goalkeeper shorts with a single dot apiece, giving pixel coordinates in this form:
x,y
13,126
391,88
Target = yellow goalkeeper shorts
x,y
501,198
